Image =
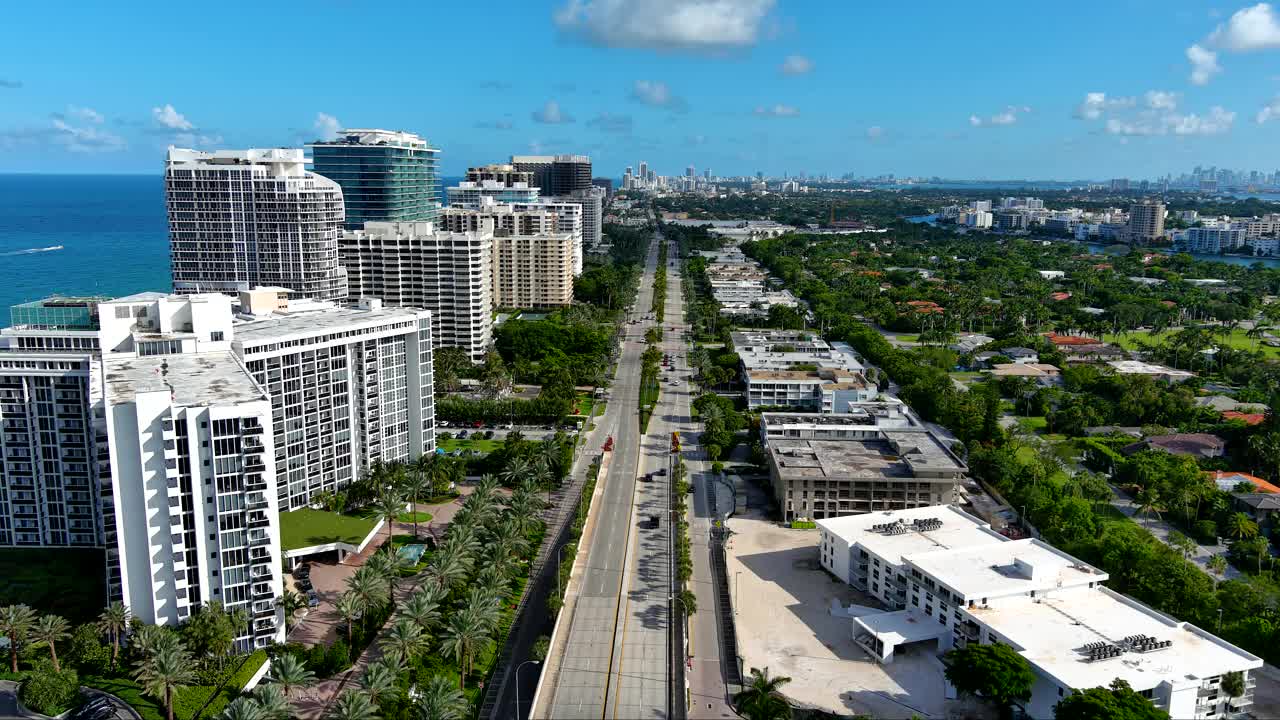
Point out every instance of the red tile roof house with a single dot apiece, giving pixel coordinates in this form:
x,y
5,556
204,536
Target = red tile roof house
x,y
1249,419
1068,340
1192,444
1227,480
1060,296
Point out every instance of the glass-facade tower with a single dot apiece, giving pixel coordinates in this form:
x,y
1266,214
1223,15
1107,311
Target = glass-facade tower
x,y
385,176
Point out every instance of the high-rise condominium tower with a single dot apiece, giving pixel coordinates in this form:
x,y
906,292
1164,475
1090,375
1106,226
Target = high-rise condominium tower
x,y
556,174
414,265
385,176
246,218
1146,221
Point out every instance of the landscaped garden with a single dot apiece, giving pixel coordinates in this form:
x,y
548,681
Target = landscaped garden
x,y
306,527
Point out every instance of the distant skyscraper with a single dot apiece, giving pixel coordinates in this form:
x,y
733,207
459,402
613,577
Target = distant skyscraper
x,y
556,174
644,170
706,174
246,218
385,176
690,171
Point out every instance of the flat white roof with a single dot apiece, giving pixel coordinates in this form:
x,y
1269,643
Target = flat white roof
x,y
1050,632
959,530
192,379
1008,568
309,322
901,627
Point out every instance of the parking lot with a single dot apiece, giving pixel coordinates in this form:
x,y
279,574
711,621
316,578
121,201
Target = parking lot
x,y
783,607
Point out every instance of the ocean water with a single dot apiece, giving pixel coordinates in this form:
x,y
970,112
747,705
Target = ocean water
x,y
81,235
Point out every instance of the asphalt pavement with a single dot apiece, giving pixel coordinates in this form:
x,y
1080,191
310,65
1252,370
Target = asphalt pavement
x,y
595,649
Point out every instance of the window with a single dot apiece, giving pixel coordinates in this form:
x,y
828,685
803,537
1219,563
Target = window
x,y
215,336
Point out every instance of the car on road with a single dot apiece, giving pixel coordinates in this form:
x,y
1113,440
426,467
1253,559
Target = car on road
x,y
655,521
662,471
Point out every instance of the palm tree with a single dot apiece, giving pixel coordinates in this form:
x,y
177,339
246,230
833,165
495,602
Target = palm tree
x,y
484,606
349,609
166,672
1150,503
422,610
1217,565
449,566
389,505
379,681
289,673
242,708
291,602
518,470
464,633
49,630
388,563
1240,527
415,485
353,705
152,639
440,700
16,622
366,586
405,637
114,621
270,698
760,699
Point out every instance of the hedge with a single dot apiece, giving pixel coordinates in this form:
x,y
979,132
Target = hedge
x,y
1099,455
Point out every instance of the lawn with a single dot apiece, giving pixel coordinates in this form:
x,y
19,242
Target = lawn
x,y
410,517
1237,340
484,446
70,582
306,527
1033,424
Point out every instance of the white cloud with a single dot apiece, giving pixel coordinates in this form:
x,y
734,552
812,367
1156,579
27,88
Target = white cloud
x,y
1156,122
85,114
696,25
875,132
327,126
86,139
551,114
777,111
657,94
1160,100
168,117
1008,116
1204,64
194,140
1269,112
1253,28
796,65
1096,104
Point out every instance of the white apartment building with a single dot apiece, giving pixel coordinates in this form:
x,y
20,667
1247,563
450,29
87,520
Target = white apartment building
x,y
349,387
1213,240
570,219
414,265
979,219
49,438
246,218
785,349
949,580
475,193
785,368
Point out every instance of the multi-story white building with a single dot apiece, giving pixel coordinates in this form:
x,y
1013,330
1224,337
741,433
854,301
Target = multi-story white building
x,y
784,368
349,387
949,580
786,349
533,271
570,219
247,218
413,265
49,484
474,193
1213,240
193,476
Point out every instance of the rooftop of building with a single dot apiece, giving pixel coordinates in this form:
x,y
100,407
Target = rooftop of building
x,y
1052,631
193,379
58,313
316,319
1032,370
1179,444
958,530
898,454
865,413
1137,367
1005,568
377,136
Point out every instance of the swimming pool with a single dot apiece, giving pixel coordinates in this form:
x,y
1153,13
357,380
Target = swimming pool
x,y
412,553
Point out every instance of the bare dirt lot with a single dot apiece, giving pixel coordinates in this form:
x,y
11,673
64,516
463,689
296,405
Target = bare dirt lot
x,y
784,622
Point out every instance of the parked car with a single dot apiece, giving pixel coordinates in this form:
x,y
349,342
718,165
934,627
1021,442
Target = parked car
x,y
462,434
313,600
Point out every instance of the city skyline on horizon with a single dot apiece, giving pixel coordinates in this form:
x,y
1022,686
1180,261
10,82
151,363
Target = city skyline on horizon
x,y
738,85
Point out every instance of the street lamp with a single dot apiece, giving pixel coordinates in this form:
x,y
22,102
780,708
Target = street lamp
x,y
526,662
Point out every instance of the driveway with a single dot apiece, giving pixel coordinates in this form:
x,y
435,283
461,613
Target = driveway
x,y
9,703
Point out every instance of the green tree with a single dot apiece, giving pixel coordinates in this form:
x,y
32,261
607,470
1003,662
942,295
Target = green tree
x,y
212,630
688,602
463,635
242,708
353,705
50,630
291,602
16,622
1240,527
380,681
1233,684
417,483
50,691
422,609
272,701
389,505
85,650
440,700
994,672
447,364
406,638
349,608
761,699
114,622
1118,702
289,673
166,672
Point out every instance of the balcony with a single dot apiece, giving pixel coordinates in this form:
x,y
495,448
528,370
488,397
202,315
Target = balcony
x,y
256,501
262,591
259,539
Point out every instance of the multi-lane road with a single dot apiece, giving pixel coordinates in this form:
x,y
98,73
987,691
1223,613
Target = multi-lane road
x,y
616,660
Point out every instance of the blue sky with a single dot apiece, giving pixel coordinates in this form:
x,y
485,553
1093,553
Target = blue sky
x,y
993,90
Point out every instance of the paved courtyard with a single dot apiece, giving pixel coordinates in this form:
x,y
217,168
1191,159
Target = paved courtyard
x,y
784,622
